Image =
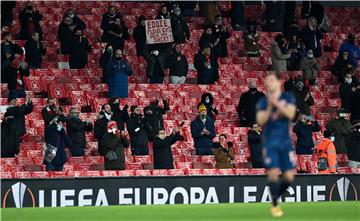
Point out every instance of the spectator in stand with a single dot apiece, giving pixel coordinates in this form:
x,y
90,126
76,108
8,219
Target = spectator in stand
x,y
154,117
19,112
251,39
9,139
114,143
341,65
118,71
138,131
139,34
303,98
297,52
100,126
79,50
9,50
35,49
352,141
117,34
340,127
189,8
76,129
255,145
164,13
354,51
180,28
14,75
56,136
326,154
247,103
50,111
163,158
203,132
178,65
304,129
206,64
29,20
108,19
310,67
222,34
278,55
274,16
105,58
66,34
289,14
79,24
155,55
237,14
224,153
355,104
208,38
209,10
208,100
7,8
317,11
121,117
311,36
347,88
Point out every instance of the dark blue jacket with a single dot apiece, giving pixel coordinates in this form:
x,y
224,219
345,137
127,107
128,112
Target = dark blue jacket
x,y
118,72
308,37
202,141
304,132
354,52
58,139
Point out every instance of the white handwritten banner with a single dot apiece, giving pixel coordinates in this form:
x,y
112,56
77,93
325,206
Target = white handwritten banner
x,y
158,31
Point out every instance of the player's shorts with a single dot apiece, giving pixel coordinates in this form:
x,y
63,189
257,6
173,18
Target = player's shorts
x,y
281,158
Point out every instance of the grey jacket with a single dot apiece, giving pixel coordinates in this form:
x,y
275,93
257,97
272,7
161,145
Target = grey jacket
x,y
278,58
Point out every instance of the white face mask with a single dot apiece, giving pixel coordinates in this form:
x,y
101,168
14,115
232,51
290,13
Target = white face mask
x,y
310,55
348,80
162,136
207,100
71,15
108,116
332,138
59,127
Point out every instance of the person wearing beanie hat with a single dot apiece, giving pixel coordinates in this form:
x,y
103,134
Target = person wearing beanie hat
x,y
179,26
203,132
354,51
114,143
326,154
138,131
340,126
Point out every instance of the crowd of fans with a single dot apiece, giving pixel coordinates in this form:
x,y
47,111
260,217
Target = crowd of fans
x,y
116,129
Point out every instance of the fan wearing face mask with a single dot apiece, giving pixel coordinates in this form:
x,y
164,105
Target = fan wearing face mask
x,y
163,158
100,126
203,132
346,90
138,131
179,26
208,100
340,127
30,21
353,145
326,154
79,49
114,143
310,67
303,97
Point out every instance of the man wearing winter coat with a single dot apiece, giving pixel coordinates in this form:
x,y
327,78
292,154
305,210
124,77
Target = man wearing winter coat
x,y
79,50
115,142
224,153
29,19
76,129
163,158
154,117
255,144
278,56
203,132
303,98
178,66
9,139
179,27
56,136
118,72
19,112
353,145
340,127
206,64
310,67
304,129
35,49
138,131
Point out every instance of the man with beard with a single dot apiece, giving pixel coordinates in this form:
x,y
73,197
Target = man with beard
x,y
247,103
138,131
154,116
100,127
76,131
203,132
50,111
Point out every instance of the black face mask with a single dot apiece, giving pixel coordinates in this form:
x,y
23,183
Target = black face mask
x,y
252,89
118,58
29,8
52,107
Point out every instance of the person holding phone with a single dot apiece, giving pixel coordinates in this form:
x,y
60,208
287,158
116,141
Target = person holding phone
x,y
304,129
